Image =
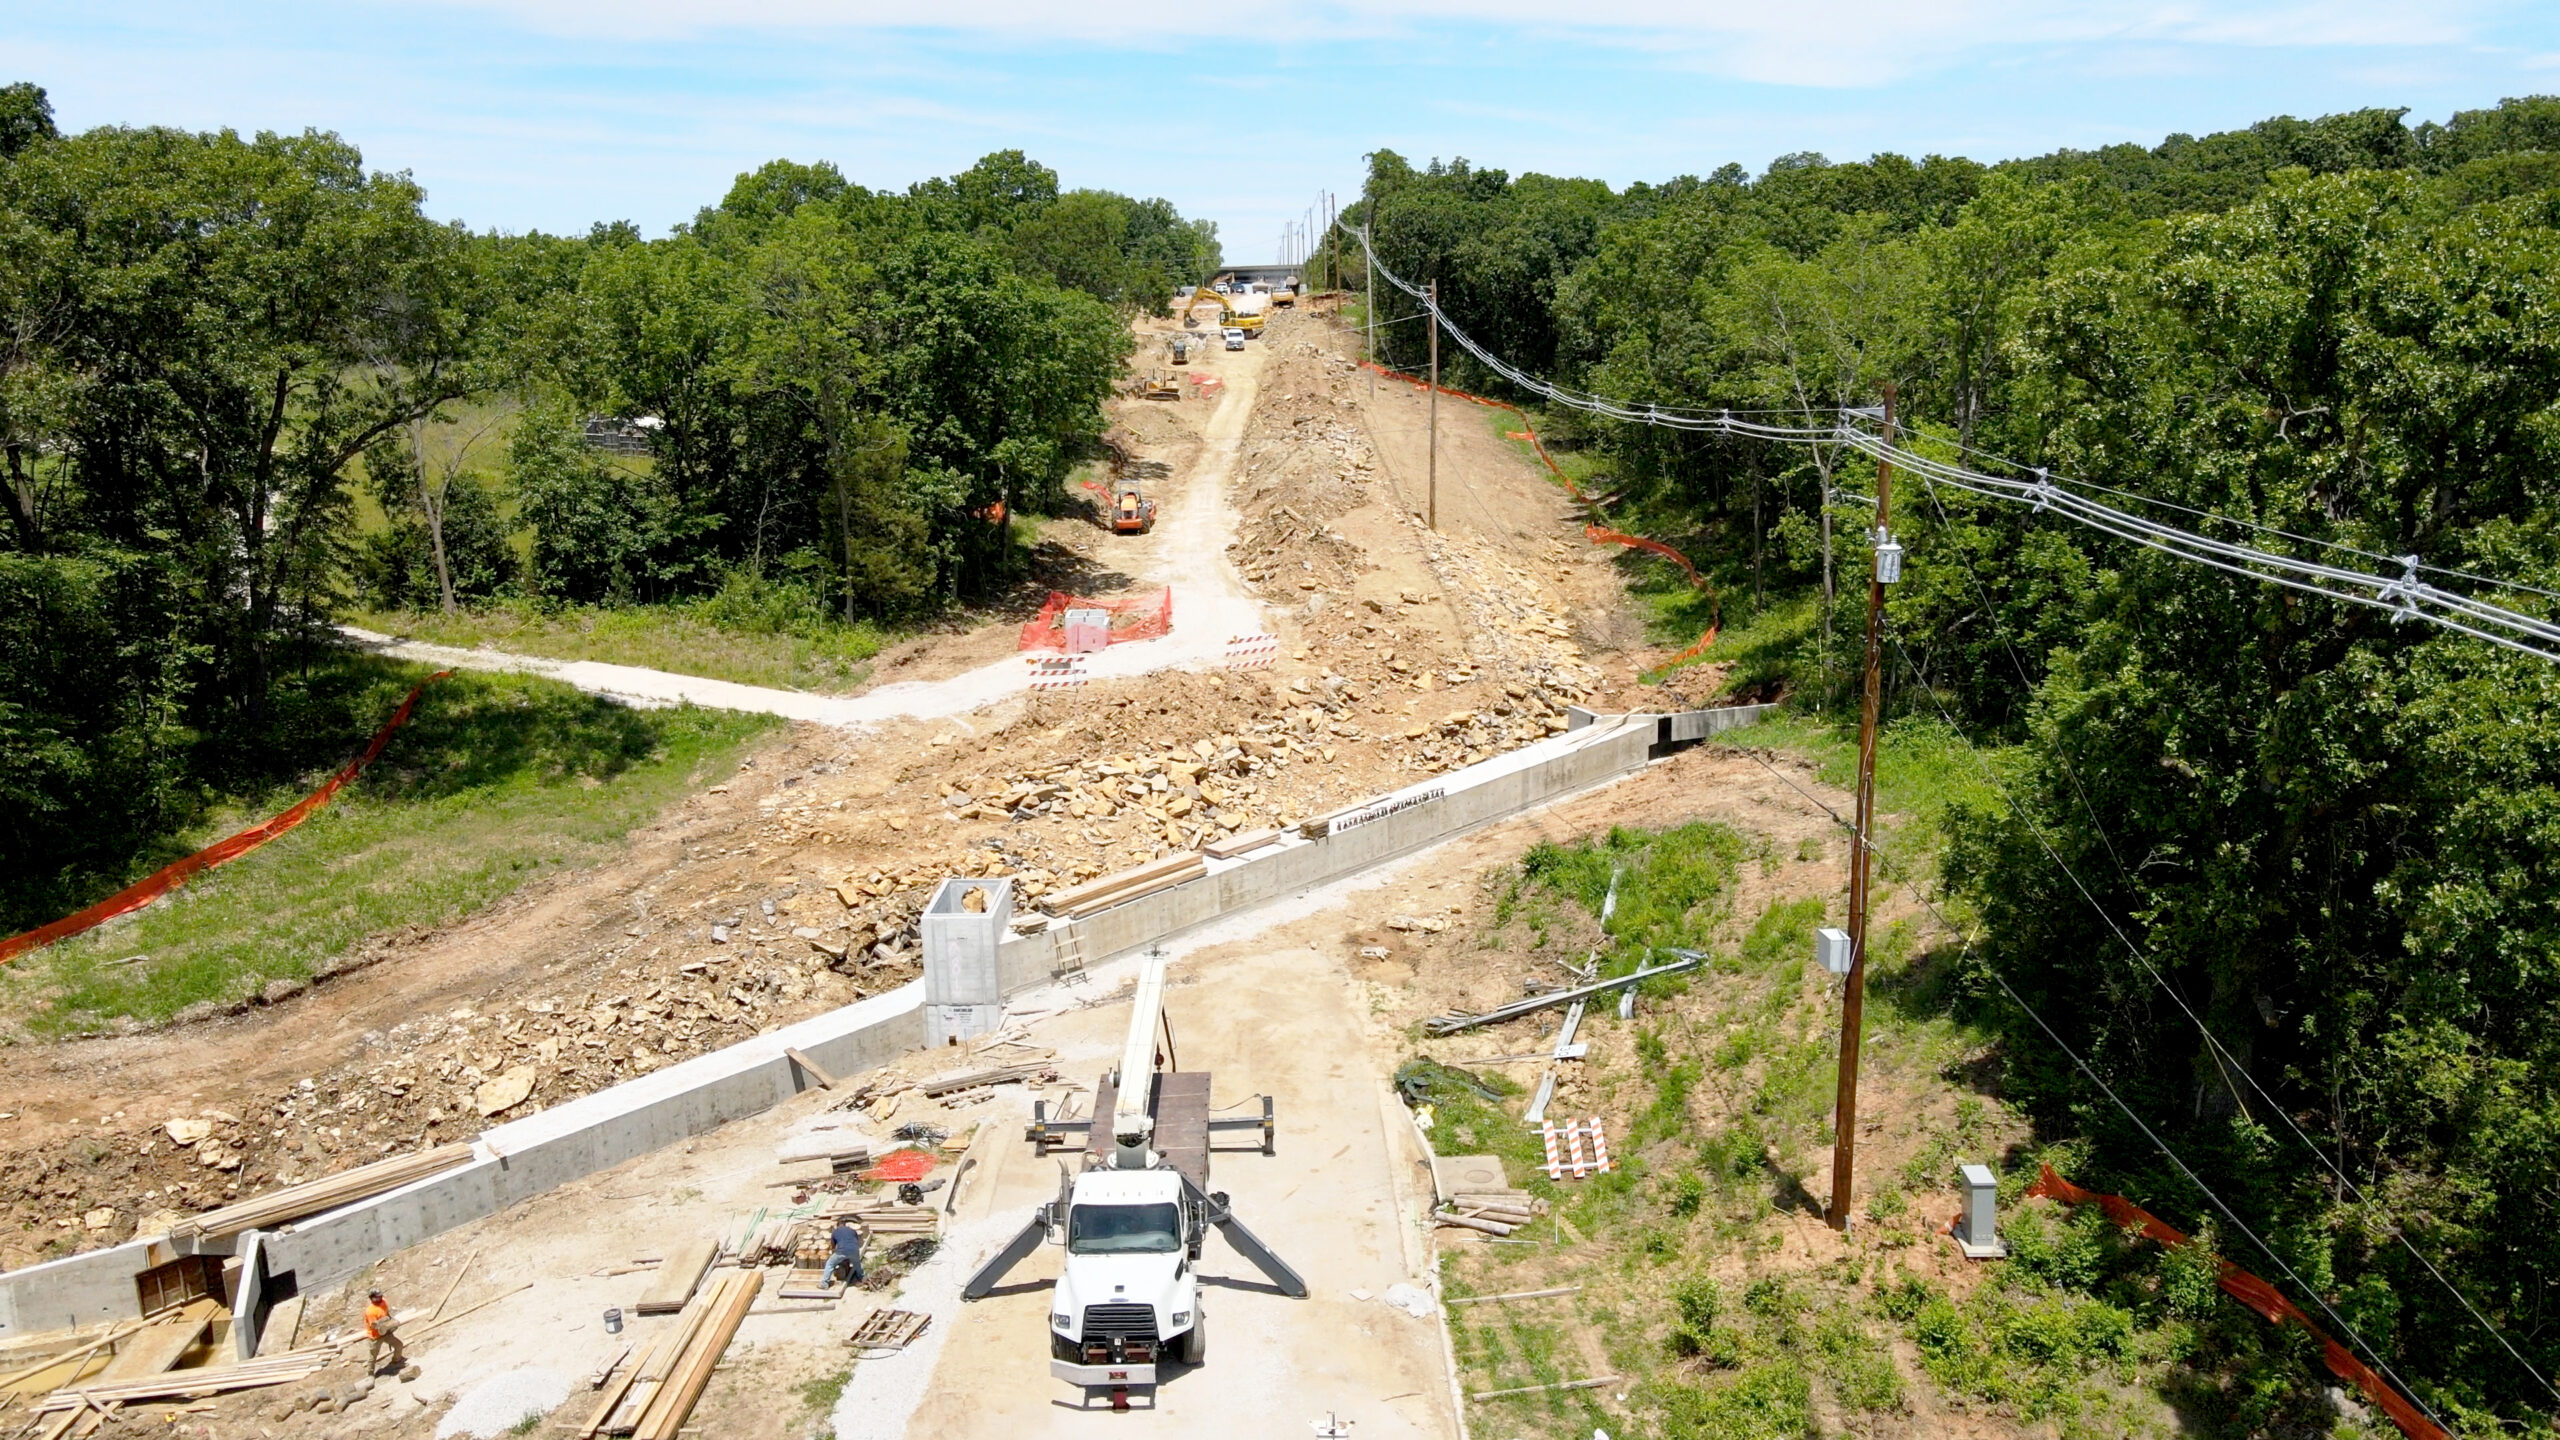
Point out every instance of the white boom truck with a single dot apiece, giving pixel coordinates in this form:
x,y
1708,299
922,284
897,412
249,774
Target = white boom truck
x,y
1136,1218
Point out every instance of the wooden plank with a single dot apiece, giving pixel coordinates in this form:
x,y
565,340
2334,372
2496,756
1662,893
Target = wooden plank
x,y
707,1351
1515,1295
31,1378
1147,874
1243,844
1196,868
467,1309
676,1279
615,1387
156,1347
455,1284
329,1192
816,1071
283,1323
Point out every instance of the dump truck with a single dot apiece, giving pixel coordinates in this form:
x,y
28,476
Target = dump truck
x,y
1136,1218
1132,513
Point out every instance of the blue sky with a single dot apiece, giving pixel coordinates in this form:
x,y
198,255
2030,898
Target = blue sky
x,y
552,114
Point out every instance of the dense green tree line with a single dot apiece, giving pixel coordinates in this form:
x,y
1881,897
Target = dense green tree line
x,y
2329,833
219,355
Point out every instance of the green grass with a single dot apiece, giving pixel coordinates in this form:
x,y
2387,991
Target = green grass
x,y
822,1393
1923,767
1579,466
693,638
496,780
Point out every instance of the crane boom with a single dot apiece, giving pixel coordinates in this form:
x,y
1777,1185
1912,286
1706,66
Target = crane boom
x,y
1132,1126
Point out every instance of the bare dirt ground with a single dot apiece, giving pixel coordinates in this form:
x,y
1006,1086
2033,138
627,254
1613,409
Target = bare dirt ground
x,y
1388,667
793,886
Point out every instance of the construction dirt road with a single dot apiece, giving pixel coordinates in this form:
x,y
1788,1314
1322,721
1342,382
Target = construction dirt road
x,y
1291,507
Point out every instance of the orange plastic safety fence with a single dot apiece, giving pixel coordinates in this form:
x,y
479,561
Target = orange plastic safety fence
x,y
1598,536
2258,1295
142,892
1143,618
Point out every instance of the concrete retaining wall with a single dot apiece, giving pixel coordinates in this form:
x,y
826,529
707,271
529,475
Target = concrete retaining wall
x,y
524,1158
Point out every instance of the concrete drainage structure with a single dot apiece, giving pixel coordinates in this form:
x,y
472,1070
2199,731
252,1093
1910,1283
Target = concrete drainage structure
x,y
971,965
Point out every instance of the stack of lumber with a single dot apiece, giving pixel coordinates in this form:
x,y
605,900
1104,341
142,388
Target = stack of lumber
x,y
1497,1212
674,1283
1033,1068
265,1212
282,1369
873,1217
1076,902
652,1399
771,1242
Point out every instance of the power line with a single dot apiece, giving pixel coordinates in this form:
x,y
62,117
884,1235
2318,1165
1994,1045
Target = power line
x,y
2405,596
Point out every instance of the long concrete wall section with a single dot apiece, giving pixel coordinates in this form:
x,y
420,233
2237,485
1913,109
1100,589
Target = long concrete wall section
x,y
1596,750
527,1157
514,1161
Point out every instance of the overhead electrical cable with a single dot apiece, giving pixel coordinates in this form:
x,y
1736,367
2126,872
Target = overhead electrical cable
x,y
2405,596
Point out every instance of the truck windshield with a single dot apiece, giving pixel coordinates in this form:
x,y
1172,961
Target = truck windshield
x,y
1123,1229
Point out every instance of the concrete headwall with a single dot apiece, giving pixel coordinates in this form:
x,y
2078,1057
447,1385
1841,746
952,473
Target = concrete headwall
x,y
526,1157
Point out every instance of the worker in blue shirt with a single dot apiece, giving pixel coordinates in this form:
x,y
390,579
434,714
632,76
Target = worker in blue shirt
x,y
848,1253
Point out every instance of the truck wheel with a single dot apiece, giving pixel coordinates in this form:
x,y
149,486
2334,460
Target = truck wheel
x,y
1195,1345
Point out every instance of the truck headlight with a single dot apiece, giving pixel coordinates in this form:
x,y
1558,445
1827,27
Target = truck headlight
x,y
1181,1318
1060,1322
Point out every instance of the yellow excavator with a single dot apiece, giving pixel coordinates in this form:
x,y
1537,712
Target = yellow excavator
x,y
1229,317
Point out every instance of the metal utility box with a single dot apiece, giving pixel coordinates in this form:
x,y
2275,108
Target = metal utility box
x,y
963,990
1977,1230
1831,947
1888,559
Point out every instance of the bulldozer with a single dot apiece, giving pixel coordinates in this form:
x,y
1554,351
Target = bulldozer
x,y
1159,386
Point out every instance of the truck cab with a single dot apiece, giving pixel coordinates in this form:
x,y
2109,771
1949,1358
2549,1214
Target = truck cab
x,y
1235,338
1129,1293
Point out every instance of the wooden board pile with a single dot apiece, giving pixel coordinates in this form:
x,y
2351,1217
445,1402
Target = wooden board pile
x,y
774,1242
1042,1067
1493,1212
265,1212
1095,896
653,1399
876,1217
673,1286
106,1396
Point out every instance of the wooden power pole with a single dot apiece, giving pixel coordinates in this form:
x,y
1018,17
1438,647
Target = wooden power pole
x,y
1885,570
1433,468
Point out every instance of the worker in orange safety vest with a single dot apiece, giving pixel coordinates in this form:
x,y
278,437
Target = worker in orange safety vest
x,y
381,1330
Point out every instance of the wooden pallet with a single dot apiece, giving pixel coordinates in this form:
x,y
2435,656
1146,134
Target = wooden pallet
x,y
889,1329
808,1282
1577,1148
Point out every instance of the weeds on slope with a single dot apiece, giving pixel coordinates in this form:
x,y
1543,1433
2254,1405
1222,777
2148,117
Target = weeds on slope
x,y
1709,1285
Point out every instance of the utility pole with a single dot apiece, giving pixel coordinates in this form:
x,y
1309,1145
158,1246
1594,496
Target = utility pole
x,y
1369,315
1434,447
1887,569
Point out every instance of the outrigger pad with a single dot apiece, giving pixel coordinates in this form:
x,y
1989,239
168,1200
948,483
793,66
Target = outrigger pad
x,y
992,1274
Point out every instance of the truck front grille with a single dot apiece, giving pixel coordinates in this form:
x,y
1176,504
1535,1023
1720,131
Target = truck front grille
x,y
1119,1320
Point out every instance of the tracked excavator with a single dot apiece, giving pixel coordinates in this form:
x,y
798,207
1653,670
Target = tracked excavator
x,y
1136,1215
1236,311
